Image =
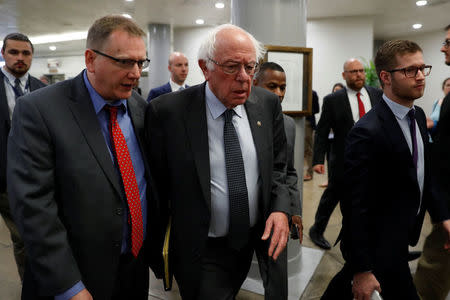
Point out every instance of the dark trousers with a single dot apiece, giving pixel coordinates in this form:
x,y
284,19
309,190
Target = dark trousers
x,y
327,204
396,283
223,270
19,248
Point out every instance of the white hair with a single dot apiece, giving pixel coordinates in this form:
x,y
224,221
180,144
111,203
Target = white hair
x,y
208,46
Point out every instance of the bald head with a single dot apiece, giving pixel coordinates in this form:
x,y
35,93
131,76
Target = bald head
x,y
354,74
178,67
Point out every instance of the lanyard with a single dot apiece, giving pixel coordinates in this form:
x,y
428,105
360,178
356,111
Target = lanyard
x,y
16,92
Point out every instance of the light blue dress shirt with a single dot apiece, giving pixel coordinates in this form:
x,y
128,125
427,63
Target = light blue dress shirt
x,y
220,209
125,124
401,114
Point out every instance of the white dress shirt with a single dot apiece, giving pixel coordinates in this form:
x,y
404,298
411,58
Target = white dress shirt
x,y
9,81
354,102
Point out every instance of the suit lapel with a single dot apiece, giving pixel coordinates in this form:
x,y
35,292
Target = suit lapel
x,y
395,135
4,109
84,114
197,130
373,98
257,125
347,108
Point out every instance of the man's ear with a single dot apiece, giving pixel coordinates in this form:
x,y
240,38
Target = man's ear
x,y
255,82
89,57
202,65
385,77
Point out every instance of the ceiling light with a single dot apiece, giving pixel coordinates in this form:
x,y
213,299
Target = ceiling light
x,y
200,21
220,5
126,16
129,0
61,37
53,48
417,26
421,2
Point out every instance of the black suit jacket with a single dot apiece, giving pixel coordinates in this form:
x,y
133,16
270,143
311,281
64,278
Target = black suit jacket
x,y
178,145
336,115
5,124
382,194
161,90
440,149
65,193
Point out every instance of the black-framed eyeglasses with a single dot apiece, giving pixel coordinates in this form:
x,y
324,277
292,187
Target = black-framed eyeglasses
x,y
446,43
412,71
126,63
356,71
233,67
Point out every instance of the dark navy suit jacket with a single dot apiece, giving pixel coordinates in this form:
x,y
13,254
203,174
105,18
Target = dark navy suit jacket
x,y
160,90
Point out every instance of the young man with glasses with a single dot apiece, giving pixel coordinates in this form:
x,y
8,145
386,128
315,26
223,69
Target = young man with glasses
x,y
432,277
80,189
383,211
340,110
219,150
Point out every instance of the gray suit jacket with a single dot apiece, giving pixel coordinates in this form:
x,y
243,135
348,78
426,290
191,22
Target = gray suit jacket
x,y
291,173
178,145
65,193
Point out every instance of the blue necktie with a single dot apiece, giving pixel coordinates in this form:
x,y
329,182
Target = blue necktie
x,y
238,234
18,88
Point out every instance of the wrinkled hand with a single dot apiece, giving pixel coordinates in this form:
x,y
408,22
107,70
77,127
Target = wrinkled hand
x,y
83,295
297,221
319,168
446,225
363,285
278,223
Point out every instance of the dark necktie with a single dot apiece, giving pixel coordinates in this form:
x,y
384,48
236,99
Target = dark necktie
x,y
361,109
237,187
18,88
128,179
412,128
181,88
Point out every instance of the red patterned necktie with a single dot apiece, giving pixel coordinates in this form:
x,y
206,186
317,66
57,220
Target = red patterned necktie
x,y
129,180
361,109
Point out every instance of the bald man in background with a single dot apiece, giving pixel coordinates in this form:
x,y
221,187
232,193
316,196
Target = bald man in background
x,y
340,110
179,69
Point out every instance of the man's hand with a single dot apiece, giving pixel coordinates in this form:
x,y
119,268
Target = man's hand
x,y
278,223
319,168
297,221
363,285
446,225
83,295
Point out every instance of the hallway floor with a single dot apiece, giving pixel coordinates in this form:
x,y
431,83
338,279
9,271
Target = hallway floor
x,y
330,264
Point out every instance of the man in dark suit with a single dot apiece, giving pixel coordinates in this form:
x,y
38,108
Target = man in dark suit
x,y
272,77
383,211
15,81
432,277
340,110
179,69
79,186
219,150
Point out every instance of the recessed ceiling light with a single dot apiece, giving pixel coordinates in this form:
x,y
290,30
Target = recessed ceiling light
x,y
126,16
417,26
200,21
53,48
421,2
220,5
61,37
129,0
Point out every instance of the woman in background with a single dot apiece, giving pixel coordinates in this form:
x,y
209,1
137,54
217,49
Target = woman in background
x,y
436,110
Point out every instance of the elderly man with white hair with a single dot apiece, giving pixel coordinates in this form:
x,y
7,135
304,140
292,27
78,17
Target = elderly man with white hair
x,y
219,152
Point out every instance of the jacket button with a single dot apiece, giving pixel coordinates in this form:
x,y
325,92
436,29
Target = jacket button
x,y
116,244
119,211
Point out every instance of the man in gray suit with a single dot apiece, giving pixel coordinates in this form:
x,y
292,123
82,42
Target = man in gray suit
x,y
272,77
15,81
79,186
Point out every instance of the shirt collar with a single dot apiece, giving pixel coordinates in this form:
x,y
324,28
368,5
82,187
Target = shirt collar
x,y
11,78
353,92
174,86
398,110
98,100
216,107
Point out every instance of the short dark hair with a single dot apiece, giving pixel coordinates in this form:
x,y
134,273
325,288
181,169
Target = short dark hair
x,y
444,82
16,36
337,84
102,28
267,66
386,58
448,27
